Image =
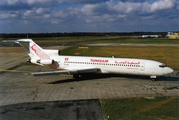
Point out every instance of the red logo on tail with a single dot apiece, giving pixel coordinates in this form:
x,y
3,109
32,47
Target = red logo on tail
x,y
39,52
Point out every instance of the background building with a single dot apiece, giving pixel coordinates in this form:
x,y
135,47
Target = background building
x,y
150,36
173,35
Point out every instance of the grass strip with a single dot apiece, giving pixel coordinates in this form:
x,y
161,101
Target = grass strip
x,y
158,108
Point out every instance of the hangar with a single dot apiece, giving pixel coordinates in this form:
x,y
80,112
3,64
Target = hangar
x,y
150,36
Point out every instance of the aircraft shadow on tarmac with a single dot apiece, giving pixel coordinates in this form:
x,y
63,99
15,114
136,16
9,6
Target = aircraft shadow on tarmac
x,y
96,76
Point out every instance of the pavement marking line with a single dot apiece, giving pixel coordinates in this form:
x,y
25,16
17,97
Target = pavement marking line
x,y
4,70
20,71
65,75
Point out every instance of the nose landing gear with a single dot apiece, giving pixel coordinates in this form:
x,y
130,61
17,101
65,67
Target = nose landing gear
x,y
153,78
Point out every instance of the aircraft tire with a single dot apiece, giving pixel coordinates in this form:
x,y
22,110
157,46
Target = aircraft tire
x,y
76,76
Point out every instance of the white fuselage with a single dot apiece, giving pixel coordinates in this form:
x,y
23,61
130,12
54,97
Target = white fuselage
x,y
113,65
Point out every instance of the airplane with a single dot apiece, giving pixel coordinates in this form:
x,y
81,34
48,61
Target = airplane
x,y
78,65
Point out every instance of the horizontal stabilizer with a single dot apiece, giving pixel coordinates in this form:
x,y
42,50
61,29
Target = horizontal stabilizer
x,y
70,72
17,41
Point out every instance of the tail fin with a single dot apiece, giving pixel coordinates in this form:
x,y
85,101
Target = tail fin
x,y
35,52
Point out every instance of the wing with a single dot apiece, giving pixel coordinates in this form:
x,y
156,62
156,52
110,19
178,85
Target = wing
x,y
70,72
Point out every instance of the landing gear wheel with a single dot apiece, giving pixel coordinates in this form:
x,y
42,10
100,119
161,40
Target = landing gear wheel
x,y
153,78
76,76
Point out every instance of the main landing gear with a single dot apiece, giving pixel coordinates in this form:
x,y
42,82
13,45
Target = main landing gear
x,y
76,76
153,78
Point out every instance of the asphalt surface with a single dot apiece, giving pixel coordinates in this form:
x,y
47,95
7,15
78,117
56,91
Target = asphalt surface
x,y
18,87
55,110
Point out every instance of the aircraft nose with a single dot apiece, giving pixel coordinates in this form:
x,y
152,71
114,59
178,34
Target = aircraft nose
x,y
169,70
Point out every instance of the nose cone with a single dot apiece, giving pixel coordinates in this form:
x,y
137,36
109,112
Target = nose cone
x,y
169,70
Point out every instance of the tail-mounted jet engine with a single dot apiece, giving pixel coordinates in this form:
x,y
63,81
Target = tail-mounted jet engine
x,y
42,61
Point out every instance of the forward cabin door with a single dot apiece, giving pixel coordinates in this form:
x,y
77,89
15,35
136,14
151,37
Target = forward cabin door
x,y
142,66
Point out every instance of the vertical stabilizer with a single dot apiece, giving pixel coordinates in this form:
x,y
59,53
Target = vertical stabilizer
x,y
36,50
36,53
33,50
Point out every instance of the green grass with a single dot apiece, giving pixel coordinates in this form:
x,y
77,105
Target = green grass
x,y
136,40
158,108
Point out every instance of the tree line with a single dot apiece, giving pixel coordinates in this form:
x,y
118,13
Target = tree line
x,y
66,34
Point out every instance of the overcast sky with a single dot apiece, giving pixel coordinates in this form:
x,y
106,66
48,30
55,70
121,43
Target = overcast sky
x,y
31,16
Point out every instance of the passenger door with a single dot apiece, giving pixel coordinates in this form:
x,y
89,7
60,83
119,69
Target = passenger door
x,y
142,66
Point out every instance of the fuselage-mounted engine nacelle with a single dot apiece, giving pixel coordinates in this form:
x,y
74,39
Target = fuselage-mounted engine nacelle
x,y
42,61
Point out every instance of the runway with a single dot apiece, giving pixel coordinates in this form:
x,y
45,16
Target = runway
x,y
19,86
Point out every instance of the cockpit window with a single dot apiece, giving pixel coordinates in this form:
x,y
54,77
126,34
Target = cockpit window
x,y
162,65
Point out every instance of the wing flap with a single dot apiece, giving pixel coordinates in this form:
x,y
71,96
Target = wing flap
x,y
70,72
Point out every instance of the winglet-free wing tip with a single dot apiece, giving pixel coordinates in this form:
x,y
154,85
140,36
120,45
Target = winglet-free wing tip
x,y
10,41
